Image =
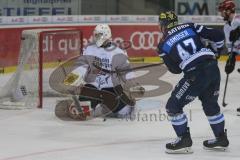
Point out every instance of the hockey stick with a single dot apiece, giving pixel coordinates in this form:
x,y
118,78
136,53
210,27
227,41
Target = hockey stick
x,y
224,104
125,70
225,90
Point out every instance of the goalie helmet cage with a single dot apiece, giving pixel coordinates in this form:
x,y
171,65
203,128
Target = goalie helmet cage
x,y
28,85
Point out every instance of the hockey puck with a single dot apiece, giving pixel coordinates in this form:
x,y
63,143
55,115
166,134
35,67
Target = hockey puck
x,y
238,70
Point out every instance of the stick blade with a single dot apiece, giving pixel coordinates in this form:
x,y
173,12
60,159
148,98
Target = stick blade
x,y
224,104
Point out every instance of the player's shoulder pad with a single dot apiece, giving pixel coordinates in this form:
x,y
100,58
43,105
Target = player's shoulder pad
x,y
91,45
190,24
236,20
195,25
118,50
199,28
89,48
237,16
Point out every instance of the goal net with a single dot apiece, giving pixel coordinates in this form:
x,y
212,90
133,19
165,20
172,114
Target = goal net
x,y
41,51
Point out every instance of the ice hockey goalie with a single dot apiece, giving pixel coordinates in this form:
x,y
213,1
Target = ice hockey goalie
x,y
95,92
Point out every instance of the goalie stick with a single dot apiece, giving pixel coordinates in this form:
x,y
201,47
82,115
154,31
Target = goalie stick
x,y
125,70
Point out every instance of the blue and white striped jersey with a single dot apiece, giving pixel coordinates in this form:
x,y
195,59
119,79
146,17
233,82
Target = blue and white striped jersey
x,y
182,47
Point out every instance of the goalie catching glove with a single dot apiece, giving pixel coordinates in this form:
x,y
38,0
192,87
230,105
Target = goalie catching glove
x,y
76,77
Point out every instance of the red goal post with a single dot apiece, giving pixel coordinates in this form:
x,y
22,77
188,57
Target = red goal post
x,y
41,50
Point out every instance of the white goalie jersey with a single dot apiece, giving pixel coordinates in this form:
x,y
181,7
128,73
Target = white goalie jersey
x,y
110,58
227,29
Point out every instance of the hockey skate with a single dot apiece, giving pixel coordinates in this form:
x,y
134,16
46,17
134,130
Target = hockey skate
x,y
182,145
238,111
219,143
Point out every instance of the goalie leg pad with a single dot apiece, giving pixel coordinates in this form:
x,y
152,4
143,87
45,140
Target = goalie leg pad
x,y
94,101
67,111
123,98
83,114
126,99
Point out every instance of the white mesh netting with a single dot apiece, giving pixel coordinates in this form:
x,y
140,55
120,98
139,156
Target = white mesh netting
x,y
23,89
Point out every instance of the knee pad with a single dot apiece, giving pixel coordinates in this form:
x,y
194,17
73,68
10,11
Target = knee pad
x,y
211,109
173,108
171,114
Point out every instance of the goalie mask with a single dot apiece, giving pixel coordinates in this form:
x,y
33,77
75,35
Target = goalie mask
x,y
102,34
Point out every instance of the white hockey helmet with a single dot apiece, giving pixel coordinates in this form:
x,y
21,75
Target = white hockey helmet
x,y
101,34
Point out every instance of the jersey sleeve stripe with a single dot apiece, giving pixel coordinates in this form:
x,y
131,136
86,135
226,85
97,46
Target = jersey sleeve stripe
x,y
219,45
220,42
199,29
162,54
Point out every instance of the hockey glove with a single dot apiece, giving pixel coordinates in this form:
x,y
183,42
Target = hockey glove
x,y
234,34
216,51
219,52
76,77
230,64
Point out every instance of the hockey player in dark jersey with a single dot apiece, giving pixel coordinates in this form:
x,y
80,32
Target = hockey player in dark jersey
x,y
182,50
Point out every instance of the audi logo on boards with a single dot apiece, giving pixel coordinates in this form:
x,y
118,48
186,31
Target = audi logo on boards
x,y
145,40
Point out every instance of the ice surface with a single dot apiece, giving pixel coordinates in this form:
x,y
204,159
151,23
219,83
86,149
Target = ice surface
x,y
36,134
